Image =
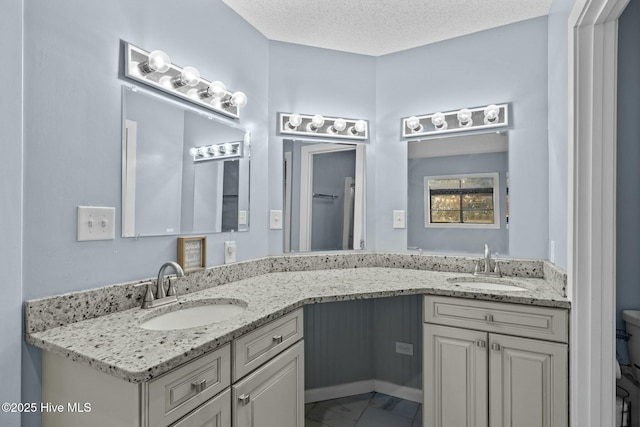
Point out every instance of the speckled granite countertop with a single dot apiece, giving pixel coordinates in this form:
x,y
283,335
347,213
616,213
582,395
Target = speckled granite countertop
x,y
115,344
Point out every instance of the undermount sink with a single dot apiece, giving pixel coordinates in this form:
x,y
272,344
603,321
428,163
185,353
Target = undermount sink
x,y
205,313
486,284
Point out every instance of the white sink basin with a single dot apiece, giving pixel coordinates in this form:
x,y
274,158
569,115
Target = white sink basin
x,y
206,313
486,284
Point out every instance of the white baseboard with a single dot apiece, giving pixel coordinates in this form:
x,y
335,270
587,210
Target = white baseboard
x,y
359,387
337,391
395,390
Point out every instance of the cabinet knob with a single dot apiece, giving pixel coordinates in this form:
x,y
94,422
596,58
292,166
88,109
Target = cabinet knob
x,y
244,398
277,339
488,318
199,385
481,343
495,346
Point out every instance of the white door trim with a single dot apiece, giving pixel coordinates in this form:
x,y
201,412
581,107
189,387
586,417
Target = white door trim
x,y
288,170
591,223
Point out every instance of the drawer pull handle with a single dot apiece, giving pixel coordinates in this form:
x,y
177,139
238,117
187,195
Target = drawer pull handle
x,y
199,385
495,346
277,339
244,398
481,344
488,318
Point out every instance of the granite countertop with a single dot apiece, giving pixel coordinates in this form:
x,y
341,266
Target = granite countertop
x,y
114,343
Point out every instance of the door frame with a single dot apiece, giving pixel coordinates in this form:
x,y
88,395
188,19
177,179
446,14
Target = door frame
x,y
306,190
593,28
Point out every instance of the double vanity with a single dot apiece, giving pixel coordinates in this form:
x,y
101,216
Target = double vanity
x,y
494,348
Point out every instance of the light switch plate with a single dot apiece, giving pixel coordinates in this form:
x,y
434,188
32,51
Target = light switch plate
x,y
242,218
275,220
229,251
96,223
398,219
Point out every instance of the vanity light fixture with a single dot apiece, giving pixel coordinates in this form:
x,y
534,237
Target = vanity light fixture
x,y
318,125
465,119
221,151
155,69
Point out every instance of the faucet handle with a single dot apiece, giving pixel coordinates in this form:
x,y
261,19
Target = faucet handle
x,y
172,286
148,294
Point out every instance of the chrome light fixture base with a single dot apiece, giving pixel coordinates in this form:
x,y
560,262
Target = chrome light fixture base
x,y
136,67
463,120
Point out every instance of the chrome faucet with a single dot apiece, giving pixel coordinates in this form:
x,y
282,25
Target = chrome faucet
x,y
487,265
162,297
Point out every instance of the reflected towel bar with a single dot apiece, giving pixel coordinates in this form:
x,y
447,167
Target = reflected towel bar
x,y
325,196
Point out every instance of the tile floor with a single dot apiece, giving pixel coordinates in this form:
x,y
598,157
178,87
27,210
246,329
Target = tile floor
x,y
364,410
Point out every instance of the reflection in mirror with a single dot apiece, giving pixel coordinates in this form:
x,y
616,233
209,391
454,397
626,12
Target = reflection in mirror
x,y
164,190
458,194
324,196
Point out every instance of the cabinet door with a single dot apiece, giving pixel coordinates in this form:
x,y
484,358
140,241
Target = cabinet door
x,y
273,395
455,377
215,413
528,382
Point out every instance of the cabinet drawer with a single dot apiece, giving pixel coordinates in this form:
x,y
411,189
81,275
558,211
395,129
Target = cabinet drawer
x,y
512,319
255,348
214,413
176,393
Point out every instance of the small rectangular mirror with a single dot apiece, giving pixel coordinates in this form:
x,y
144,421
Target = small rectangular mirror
x,y
165,190
324,196
458,193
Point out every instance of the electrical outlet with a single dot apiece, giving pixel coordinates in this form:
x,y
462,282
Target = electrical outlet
x,y
229,251
96,223
404,348
398,219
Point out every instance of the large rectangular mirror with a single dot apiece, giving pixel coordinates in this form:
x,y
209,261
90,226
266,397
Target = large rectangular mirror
x,y
324,196
168,188
458,194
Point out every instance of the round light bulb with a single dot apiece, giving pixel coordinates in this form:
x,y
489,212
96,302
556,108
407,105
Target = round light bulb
x,y
134,69
317,121
295,120
228,148
339,125
202,151
217,89
190,76
166,82
360,126
157,61
193,94
238,99
491,113
464,117
413,123
193,152
439,121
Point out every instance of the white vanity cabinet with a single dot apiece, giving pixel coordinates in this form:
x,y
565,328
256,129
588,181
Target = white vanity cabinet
x,y
268,370
494,364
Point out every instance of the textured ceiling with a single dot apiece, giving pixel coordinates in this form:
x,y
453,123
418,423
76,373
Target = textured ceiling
x,y
378,27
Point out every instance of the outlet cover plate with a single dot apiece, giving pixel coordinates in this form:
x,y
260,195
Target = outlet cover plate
x,y
96,223
404,348
398,219
229,251
275,220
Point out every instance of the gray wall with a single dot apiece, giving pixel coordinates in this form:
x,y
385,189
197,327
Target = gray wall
x,y
558,105
72,109
628,190
505,64
11,208
454,239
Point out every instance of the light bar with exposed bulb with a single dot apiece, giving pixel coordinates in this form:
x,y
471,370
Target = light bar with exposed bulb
x,y
155,69
318,125
221,151
465,119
